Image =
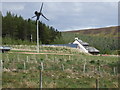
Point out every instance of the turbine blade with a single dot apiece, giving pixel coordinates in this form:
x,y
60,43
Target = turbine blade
x,y
41,8
33,16
45,17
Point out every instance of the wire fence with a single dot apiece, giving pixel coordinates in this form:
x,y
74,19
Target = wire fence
x,y
60,67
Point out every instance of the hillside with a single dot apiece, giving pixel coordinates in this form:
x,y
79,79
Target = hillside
x,y
104,39
106,31
17,30
62,68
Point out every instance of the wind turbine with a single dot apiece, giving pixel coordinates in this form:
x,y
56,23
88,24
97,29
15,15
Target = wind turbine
x,y
38,14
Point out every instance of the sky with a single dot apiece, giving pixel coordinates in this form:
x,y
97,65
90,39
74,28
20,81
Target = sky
x,y
66,16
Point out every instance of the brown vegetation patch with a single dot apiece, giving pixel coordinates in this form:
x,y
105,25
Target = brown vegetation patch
x,y
42,53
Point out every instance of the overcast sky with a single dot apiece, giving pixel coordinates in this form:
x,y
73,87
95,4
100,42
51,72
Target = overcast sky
x,y
68,15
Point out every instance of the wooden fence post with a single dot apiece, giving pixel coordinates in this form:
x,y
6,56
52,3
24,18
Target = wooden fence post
x,y
24,65
1,64
69,57
18,58
40,79
8,58
54,59
63,67
114,69
84,66
46,57
97,84
99,68
27,59
41,69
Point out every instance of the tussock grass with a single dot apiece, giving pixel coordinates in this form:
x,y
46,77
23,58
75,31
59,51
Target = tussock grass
x,y
54,76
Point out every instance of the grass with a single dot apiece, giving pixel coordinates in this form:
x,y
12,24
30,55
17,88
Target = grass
x,y
16,76
44,49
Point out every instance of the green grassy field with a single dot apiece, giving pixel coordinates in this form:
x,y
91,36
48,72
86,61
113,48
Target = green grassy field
x,y
105,44
73,70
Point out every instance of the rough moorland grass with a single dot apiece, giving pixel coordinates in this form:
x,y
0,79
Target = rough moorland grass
x,y
60,71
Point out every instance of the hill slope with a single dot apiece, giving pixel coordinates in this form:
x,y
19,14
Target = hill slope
x,y
106,31
59,71
104,39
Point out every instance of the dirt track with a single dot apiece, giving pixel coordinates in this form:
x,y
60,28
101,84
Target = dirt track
x,y
46,52
52,53
42,53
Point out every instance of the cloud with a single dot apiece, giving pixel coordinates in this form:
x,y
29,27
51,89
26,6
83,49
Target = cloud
x,y
57,9
13,6
77,15
59,0
69,15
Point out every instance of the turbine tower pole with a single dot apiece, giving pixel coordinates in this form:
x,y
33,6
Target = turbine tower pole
x,y
37,37
38,14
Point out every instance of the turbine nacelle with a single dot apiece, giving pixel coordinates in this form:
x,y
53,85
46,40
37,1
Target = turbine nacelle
x,y
38,14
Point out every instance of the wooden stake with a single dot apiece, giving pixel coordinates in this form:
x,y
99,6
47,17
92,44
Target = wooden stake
x,y
41,69
99,68
27,59
54,59
1,63
18,57
84,66
24,66
97,84
114,69
35,57
40,79
69,57
62,67
7,57
46,57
